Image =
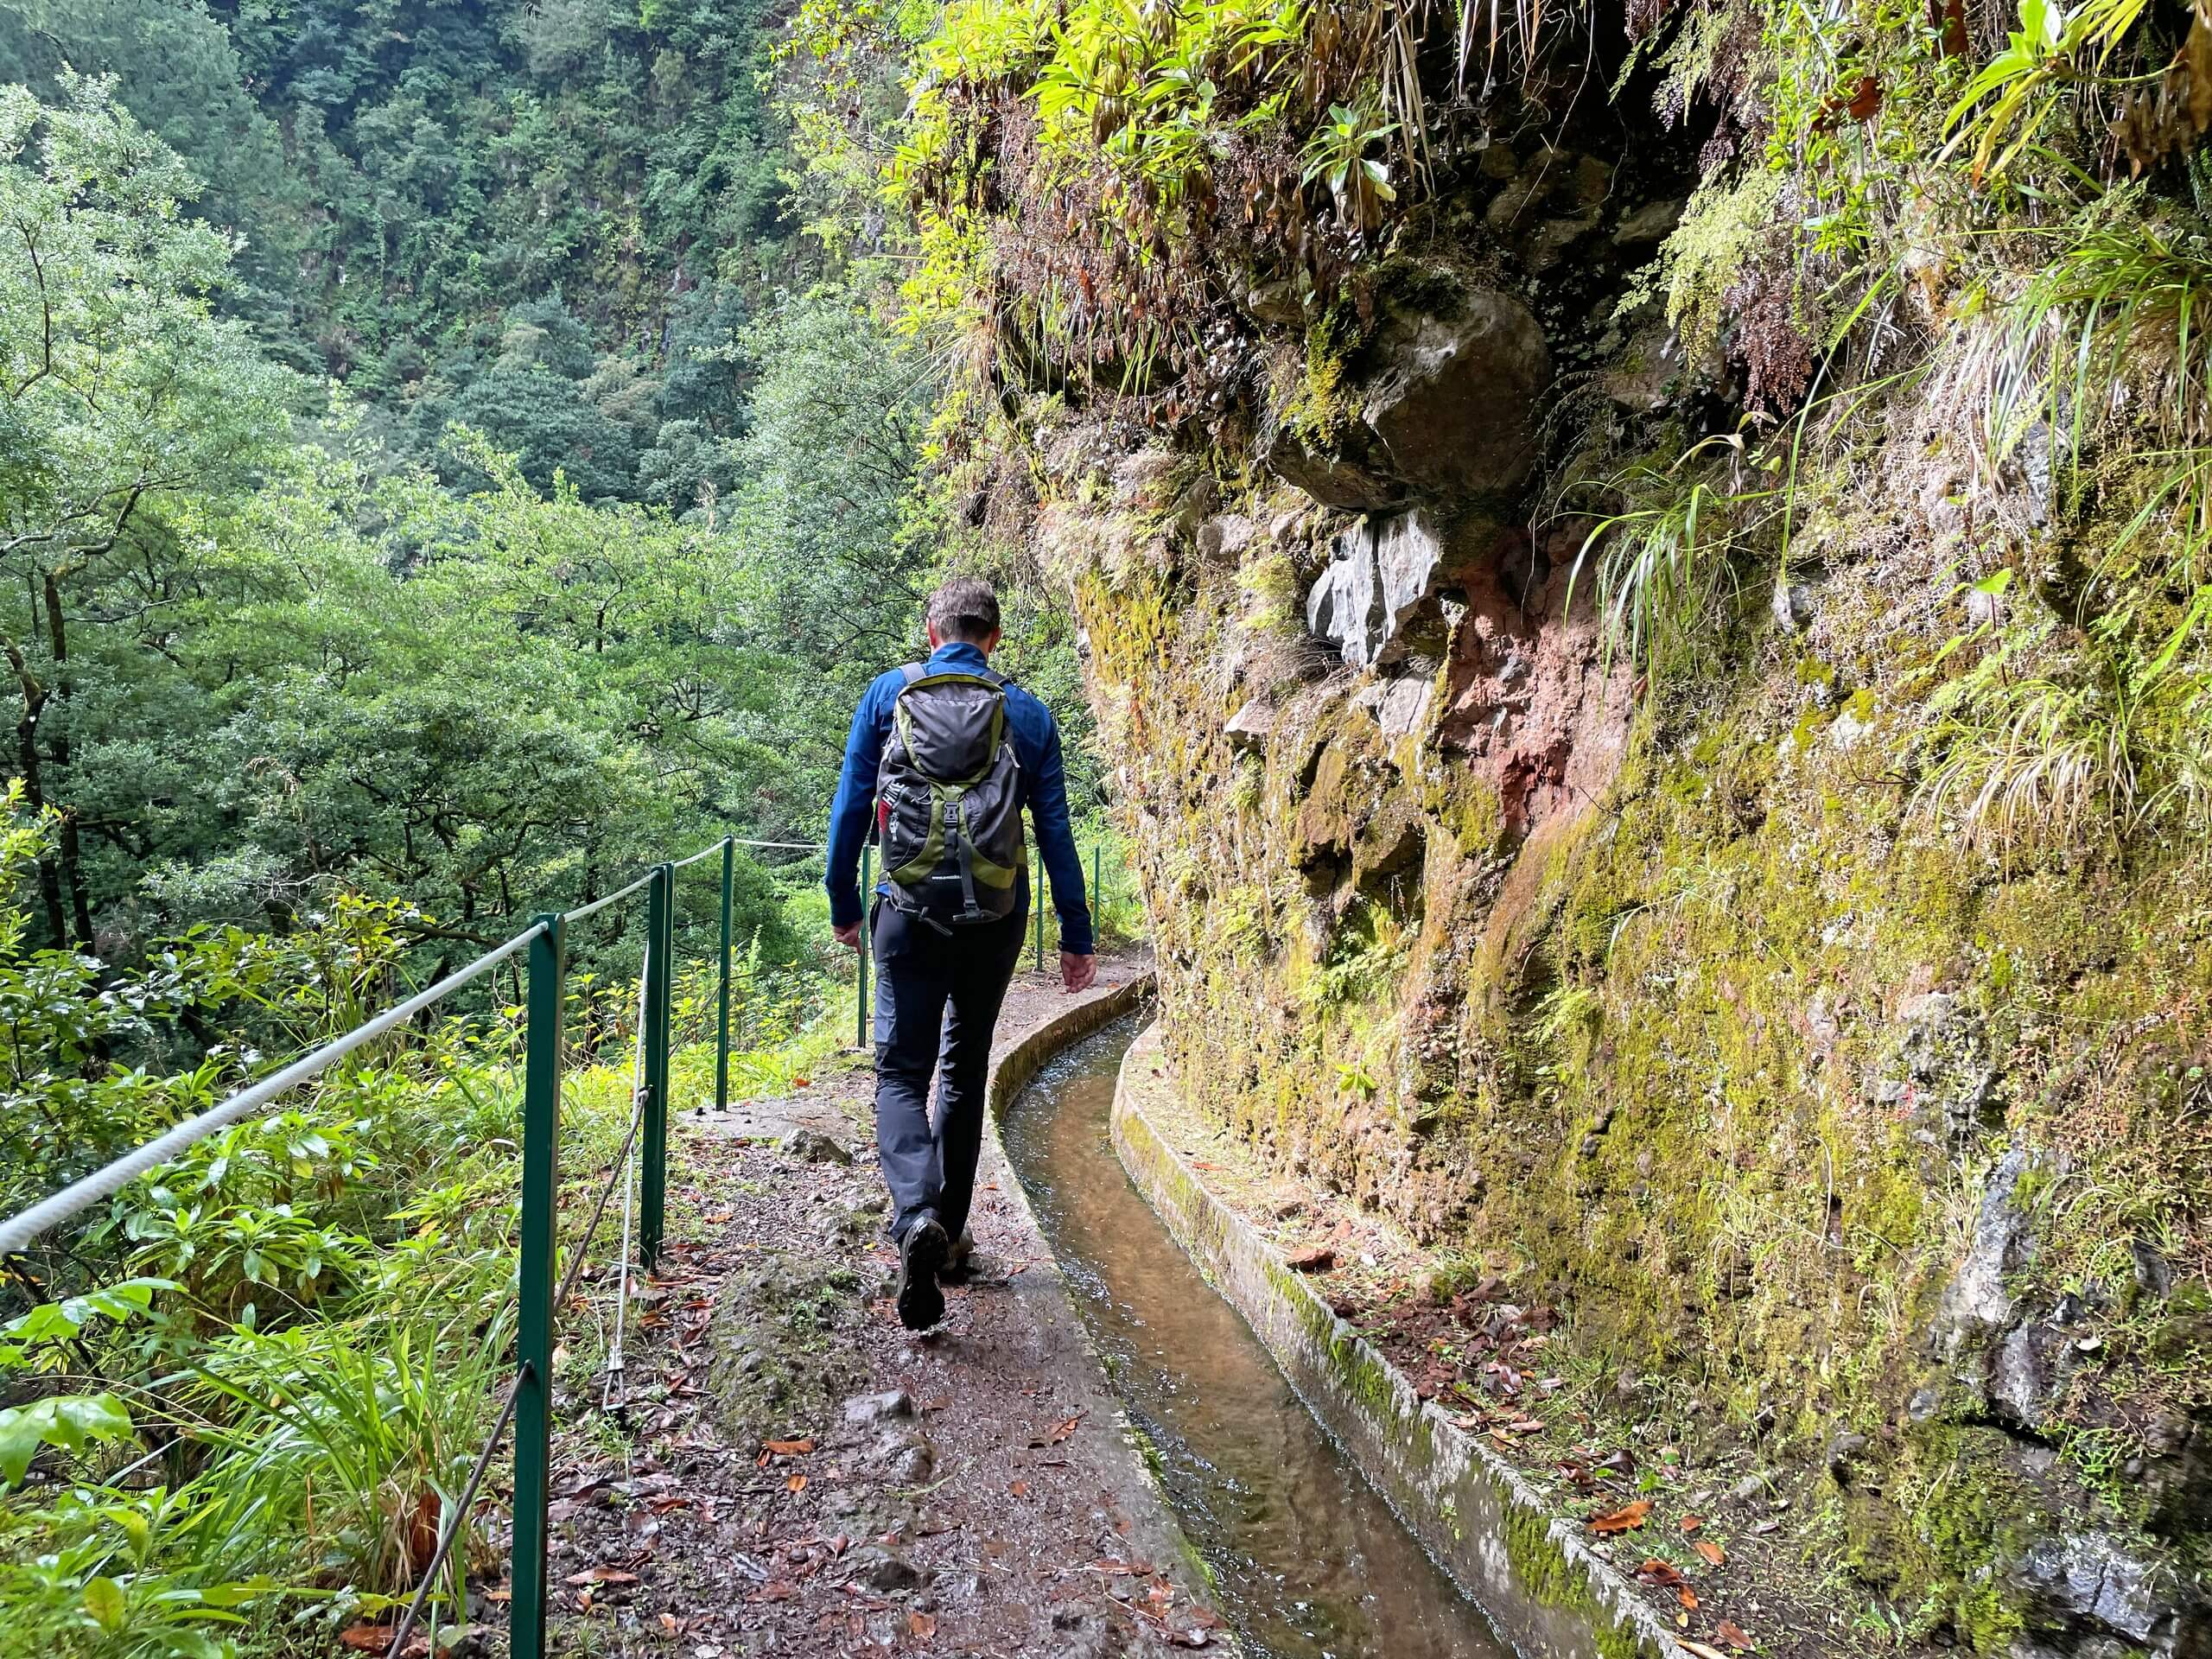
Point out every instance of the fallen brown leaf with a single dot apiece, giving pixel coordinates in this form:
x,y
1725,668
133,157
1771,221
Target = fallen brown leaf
x,y
1715,1555
795,1484
1654,1571
1699,1649
366,1638
920,1626
790,1448
1019,1489
1319,1259
601,1575
1692,1522
1732,1633
1627,1518
1686,1596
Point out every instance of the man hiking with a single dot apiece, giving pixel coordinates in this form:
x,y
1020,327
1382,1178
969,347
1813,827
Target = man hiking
x,y
943,756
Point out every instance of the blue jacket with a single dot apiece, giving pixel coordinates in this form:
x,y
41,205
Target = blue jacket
x,y
1043,792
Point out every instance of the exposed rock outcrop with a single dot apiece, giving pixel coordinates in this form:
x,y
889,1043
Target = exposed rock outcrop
x,y
1445,412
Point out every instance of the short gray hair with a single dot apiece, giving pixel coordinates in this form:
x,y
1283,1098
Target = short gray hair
x,y
967,608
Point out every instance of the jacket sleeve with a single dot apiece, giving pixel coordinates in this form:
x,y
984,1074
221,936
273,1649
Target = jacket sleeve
x,y
853,808
1048,811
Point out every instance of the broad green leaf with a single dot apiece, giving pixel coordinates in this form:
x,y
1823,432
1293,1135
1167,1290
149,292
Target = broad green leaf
x,y
68,1421
103,1600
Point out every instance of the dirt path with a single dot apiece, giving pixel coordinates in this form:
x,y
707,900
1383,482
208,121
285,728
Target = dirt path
x,y
787,1471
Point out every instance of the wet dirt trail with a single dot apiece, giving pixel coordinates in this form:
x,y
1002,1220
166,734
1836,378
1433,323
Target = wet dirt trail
x,y
785,1471
1310,1562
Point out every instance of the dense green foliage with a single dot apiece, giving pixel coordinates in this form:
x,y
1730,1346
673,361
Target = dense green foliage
x,y
434,484
275,1393
254,659
550,222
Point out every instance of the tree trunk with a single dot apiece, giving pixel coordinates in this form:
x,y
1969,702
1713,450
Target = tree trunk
x,y
27,765
73,863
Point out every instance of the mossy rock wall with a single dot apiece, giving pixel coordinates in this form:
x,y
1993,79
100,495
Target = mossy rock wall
x,y
1706,1033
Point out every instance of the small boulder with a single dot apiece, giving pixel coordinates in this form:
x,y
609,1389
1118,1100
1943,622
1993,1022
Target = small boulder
x,y
1652,223
1451,407
2091,1583
1345,605
1976,1305
1339,481
1381,572
1843,1454
1224,537
1405,706
1249,727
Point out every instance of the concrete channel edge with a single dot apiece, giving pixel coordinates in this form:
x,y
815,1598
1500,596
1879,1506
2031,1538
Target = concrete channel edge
x,y
1528,1568
1012,1070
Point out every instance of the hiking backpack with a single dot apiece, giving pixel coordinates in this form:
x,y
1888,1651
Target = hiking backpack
x,y
948,799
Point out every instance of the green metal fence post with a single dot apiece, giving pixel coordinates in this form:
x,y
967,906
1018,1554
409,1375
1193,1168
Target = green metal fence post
x,y
861,1011
721,1016
1042,894
541,1152
1097,891
660,935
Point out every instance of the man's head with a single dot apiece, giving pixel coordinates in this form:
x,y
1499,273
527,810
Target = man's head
x,y
964,609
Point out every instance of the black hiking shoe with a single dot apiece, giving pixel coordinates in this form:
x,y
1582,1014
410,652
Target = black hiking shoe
x,y
921,1254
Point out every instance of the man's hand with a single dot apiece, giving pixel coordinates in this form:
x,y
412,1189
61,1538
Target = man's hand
x,y
849,936
1077,972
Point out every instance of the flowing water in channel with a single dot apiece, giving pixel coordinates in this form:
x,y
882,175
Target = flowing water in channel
x,y
1310,1564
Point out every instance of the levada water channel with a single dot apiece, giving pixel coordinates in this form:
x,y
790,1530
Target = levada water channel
x,y
1310,1562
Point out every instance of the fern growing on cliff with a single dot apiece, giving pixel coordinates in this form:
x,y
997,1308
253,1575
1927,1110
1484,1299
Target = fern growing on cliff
x,y
2055,737
1660,561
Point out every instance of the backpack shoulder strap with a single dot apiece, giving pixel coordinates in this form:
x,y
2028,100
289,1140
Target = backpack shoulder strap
x,y
914,671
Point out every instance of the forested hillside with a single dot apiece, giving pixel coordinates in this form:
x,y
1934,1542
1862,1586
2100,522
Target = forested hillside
x,y
436,482
502,490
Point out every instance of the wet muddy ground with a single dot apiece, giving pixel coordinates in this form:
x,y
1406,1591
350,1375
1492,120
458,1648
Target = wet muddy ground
x,y
785,1469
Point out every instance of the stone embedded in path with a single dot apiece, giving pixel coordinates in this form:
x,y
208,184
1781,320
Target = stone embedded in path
x,y
885,1569
810,1146
865,1409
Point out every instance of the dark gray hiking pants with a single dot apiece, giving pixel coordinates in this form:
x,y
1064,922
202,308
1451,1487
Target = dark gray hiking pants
x,y
935,998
